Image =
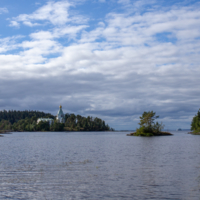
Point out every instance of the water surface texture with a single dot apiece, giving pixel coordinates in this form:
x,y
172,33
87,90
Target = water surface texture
x,y
99,165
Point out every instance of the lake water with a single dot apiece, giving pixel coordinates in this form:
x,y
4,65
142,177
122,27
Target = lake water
x,y
99,165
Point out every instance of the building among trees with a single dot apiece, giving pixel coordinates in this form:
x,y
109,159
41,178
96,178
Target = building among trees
x,y
45,120
40,121
60,118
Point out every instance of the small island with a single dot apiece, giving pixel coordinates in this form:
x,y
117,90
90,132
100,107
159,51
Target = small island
x,y
195,125
148,127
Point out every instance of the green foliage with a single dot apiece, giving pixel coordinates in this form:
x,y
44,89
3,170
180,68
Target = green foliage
x,y
26,124
79,123
27,121
147,119
57,126
5,125
195,125
143,131
43,126
147,125
157,128
14,116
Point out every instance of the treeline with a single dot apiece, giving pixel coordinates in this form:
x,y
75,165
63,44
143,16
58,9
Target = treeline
x,y
78,123
27,121
30,125
195,125
14,116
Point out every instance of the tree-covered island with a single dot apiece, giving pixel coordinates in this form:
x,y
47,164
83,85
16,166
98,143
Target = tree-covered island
x,y
27,121
195,125
148,127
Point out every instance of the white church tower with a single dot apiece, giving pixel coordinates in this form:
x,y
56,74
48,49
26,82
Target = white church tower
x,y
60,116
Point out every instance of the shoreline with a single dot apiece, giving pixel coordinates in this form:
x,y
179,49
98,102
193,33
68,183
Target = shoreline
x,y
193,133
5,131
160,134
10,132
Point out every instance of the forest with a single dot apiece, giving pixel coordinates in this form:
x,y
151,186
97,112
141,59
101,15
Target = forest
x,y
27,121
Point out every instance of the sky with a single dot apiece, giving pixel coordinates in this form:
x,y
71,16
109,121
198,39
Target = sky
x,y
109,59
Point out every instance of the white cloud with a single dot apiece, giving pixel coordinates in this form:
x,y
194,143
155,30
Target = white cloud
x,y
14,24
54,12
70,31
42,35
124,1
137,5
139,29
9,43
3,10
118,69
132,32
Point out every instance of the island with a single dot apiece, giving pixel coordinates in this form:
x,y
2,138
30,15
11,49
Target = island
x,y
148,127
39,121
162,133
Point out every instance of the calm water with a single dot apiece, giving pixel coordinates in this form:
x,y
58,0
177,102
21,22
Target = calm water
x,y
99,165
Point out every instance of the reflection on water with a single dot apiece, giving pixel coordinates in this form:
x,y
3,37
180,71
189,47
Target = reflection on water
x,y
99,165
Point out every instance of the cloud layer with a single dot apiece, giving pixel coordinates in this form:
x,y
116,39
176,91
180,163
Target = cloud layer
x,y
144,58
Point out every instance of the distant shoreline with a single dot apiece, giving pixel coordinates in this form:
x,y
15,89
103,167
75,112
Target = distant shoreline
x,y
9,132
193,133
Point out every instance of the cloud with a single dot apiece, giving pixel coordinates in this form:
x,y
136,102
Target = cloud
x,y
14,24
55,13
124,1
129,63
139,6
3,10
139,29
9,43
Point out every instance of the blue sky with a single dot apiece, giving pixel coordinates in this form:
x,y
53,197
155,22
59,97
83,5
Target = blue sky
x,y
111,59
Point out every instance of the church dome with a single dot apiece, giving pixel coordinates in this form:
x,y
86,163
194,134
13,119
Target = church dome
x,y
60,116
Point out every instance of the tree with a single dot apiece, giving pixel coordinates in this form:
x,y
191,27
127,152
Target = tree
x,y
15,116
147,119
67,115
147,125
43,126
27,121
56,126
195,125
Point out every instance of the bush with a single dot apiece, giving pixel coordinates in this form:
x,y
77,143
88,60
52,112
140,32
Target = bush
x,y
143,131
